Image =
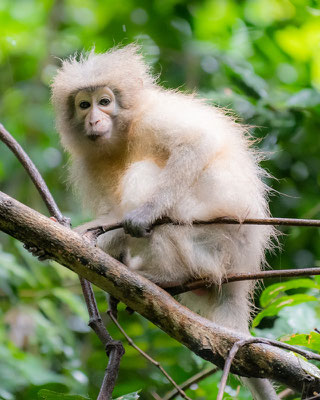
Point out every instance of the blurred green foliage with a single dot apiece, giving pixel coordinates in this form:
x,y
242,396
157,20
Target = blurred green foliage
x,y
260,58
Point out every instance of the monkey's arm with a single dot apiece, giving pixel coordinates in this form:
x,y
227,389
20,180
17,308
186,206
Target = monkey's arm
x,y
187,161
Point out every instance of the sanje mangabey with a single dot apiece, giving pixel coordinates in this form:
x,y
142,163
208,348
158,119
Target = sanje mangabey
x,y
140,152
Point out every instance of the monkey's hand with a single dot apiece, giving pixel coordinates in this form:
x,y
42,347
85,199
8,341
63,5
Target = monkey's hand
x,y
138,223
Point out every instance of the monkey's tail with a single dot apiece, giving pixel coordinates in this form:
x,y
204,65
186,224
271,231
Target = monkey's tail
x,y
261,389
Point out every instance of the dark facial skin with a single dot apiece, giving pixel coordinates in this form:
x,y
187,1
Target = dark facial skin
x,y
95,111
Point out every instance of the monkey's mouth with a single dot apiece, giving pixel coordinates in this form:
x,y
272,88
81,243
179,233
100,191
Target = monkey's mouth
x,y
94,136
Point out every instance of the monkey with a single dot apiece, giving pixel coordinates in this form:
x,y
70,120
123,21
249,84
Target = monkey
x,y
140,152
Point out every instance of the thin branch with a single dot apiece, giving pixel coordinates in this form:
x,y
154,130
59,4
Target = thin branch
x,y
191,381
114,349
99,230
237,345
147,357
205,283
34,174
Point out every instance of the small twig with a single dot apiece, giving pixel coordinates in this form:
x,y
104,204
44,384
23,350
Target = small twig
x,y
114,349
232,353
189,382
146,356
205,283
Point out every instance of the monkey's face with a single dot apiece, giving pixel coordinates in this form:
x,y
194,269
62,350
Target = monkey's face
x,y
96,109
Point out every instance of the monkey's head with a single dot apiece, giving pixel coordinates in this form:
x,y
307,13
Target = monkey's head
x,y
96,97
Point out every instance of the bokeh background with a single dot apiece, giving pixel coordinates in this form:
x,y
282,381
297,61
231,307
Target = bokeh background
x,y
259,58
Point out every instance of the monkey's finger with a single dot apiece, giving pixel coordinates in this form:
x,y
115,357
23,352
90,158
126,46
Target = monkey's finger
x,y
136,230
30,249
36,252
44,256
33,250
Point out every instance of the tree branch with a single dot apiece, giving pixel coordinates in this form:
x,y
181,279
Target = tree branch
x,y
235,348
189,382
203,337
205,283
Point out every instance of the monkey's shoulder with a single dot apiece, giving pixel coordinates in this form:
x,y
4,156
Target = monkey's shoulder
x,y
174,117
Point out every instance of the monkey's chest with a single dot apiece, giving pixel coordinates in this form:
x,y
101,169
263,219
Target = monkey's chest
x,y
138,184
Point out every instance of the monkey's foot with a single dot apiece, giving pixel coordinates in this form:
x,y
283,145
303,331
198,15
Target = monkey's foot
x,y
36,252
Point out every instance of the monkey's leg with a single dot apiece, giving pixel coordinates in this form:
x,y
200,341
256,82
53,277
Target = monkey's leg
x,y
261,389
233,310
231,306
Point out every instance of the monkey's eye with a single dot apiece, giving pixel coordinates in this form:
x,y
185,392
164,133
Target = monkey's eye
x,y
84,105
105,101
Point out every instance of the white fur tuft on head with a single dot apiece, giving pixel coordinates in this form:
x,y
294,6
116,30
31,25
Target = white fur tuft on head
x,y
122,69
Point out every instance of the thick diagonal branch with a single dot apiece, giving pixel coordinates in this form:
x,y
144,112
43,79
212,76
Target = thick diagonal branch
x,y
205,338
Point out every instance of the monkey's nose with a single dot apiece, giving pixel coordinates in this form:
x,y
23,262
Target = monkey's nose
x,y
94,122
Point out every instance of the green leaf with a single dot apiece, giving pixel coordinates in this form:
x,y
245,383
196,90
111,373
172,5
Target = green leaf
x,y
312,340
279,304
45,394
129,396
272,291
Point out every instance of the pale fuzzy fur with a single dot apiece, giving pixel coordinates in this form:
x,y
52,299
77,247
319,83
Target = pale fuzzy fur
x,y
188,159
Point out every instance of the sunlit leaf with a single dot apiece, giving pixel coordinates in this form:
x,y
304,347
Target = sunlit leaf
x,y
279,304
311,340
273,291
